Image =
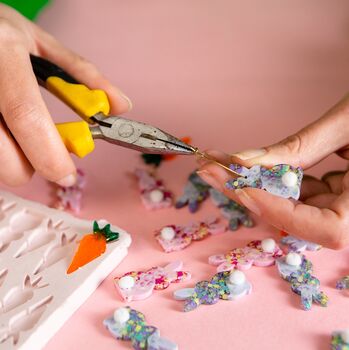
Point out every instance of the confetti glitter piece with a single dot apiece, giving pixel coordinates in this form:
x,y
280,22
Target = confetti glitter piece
x,y
153,193
129,324
287,270
308,287
139,285
195,192
298,245
224,285
343,283
235,213
70,197
256,253
174,238
340,340
282,180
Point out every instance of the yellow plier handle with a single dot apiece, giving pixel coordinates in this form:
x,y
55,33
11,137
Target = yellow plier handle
x,y
84,101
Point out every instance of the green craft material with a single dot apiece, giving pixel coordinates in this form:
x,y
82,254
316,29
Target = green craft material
x,y
28,8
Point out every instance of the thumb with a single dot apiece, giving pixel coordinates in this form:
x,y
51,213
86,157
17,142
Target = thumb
x,y
308,146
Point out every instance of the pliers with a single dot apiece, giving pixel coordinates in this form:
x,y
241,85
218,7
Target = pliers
x,y
93,107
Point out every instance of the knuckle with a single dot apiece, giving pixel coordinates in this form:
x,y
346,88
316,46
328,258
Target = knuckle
x,y
339,238
8,32
21,112
293,144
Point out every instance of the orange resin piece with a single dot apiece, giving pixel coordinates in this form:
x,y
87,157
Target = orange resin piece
x,y
90,247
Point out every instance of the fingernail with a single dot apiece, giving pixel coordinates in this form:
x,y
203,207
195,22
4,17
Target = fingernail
x,y
210,179
130,106
67,181
247,201
250,154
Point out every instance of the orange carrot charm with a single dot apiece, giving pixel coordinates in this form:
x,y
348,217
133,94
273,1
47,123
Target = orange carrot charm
x,y
92,246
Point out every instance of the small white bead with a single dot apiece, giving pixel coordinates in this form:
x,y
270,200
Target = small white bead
x,y
345,336
121,315
268,245
168,233
237,277
126,282
156,196
293,259
289,179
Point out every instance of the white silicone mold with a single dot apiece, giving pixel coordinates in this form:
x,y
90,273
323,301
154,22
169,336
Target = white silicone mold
x,y
37,244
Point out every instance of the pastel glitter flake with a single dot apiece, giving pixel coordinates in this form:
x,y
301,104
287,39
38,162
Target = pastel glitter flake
x,y
293,263
195,192
153,192
294,244
70,197
174,238
139,285
281,180
235,213
308,287
224,285
257,253
340,340
343,283
129,324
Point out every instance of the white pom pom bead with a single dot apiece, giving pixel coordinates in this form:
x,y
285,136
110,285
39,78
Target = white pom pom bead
x,y
289,179
156,196
345,336
293,259
168,233
121,315
126,282
268,245
237,277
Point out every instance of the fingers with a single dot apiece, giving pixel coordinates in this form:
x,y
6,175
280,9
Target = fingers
x,y
323,226
82,70
28,119
15,170
334,180
308,146
312,186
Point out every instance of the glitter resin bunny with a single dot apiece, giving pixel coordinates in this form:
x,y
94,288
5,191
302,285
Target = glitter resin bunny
x,y
70,197
224,285
139,285
308,287
235,213
340,340
293,263
257,253
281,180
195,192
294,244
343,283
129,324
153,193
174,238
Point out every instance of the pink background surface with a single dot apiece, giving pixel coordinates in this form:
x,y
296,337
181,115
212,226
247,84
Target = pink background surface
x,y
232,75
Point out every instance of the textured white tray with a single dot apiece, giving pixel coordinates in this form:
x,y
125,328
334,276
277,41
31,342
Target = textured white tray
x,y
37,242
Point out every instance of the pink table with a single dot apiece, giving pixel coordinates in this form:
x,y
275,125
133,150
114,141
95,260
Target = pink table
x,y
232,75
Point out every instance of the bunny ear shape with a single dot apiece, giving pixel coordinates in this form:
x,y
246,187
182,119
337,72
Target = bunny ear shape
x,y
183,294
216,259
174,266
181,276
226,266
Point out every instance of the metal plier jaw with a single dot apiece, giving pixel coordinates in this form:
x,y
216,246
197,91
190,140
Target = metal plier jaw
x,y
137,135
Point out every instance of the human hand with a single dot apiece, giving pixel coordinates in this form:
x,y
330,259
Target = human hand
x,y
322,214
29,140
